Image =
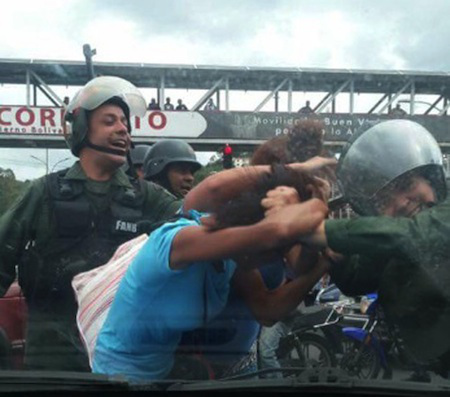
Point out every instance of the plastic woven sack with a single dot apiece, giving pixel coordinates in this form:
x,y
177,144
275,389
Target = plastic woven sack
x,y
95,291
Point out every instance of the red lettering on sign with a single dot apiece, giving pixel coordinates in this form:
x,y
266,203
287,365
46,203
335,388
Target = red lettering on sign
x,y
31,117
47,115
157,120
137,123
4,122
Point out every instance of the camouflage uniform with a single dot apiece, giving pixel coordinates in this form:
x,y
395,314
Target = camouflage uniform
x,y
64,224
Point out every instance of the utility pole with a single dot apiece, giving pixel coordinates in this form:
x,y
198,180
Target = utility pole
x,y
88,54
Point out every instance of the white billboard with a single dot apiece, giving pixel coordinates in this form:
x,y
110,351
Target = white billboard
x,y
49,121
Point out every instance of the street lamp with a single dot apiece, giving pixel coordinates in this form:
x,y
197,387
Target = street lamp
x,y
42,161
58,162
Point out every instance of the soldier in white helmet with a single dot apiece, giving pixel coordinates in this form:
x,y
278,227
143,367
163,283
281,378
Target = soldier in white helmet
x,y
73,220
395,169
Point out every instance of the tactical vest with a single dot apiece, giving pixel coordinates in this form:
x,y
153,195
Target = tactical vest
x,y
81,238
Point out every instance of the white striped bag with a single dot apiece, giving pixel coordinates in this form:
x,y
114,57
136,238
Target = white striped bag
x,y
95,291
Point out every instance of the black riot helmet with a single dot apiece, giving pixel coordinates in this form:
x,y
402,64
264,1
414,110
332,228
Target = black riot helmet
x,y
136,160
97,92
138,154
166,152
383,154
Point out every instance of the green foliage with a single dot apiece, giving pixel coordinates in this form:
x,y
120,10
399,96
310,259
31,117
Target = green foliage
x,y
10,189
207,170
216,165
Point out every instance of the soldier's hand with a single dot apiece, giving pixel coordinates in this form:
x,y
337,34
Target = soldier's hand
x,y
323,165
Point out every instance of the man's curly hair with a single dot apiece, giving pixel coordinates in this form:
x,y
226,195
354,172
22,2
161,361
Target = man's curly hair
x,y
246,209
304,141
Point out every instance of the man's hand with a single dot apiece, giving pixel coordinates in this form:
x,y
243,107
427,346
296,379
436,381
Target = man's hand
x,y
278,198
321,190
298,219
324,166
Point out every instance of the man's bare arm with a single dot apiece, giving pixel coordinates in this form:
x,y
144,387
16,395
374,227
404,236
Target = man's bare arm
x,y
219,188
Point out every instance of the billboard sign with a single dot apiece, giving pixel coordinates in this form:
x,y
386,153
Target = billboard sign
x,y
17,120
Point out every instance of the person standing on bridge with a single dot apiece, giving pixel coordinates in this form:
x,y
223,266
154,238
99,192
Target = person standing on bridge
x,y
306,109
210,105
181,106
153,105
168,105
397,111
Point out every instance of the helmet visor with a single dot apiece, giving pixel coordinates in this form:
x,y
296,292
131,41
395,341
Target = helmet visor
x,y
382,154
100,89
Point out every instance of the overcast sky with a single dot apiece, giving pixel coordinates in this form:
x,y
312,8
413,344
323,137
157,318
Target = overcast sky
x,y
384,34
365,34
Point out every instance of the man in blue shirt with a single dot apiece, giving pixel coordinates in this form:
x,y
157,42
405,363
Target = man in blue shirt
x,y
181,278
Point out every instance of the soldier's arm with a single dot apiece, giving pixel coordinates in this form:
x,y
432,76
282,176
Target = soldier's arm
x,y
160,205
16,230
408,238
357,275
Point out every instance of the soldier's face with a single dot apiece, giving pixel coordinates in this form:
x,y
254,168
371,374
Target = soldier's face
x,y
181,178
108,129
418,196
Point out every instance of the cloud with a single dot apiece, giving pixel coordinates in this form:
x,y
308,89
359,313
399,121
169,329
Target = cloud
x,y
38,29
382,34
350,34
322,33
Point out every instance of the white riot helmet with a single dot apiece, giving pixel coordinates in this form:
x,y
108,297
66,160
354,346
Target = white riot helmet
x,y
97,92
382,154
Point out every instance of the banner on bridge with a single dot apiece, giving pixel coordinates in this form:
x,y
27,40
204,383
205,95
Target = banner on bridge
x,y
215,125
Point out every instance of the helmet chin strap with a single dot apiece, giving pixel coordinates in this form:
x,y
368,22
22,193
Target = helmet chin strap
x,y
105,149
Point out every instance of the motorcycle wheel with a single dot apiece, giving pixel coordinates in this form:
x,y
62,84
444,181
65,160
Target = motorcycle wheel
x,y
308,350
360,360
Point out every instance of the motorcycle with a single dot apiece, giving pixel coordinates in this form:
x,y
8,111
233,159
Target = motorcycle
x,y
329,334
316,338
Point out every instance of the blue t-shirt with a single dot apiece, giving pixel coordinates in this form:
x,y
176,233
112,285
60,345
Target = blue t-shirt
x,y
230,336
155,304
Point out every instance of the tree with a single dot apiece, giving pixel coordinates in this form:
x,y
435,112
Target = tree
x,y
10,189
211,168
